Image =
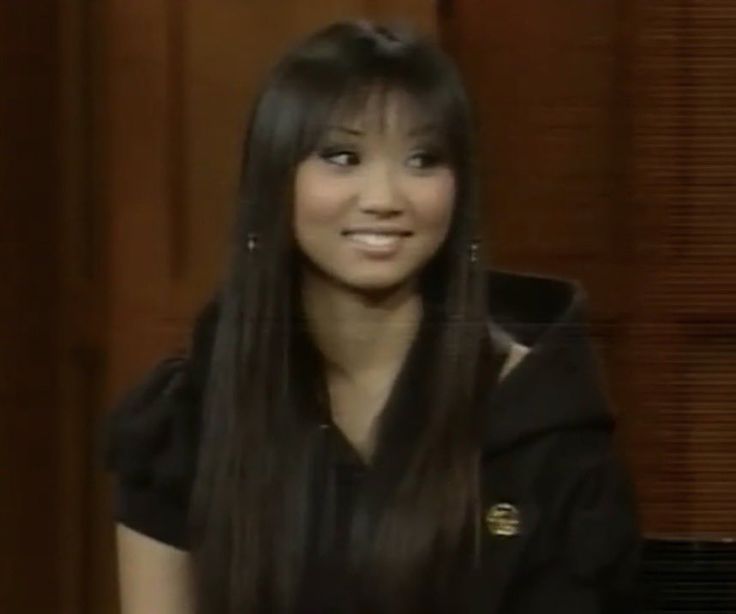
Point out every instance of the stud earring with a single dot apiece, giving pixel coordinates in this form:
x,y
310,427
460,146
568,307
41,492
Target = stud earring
x,y
252,242
473,251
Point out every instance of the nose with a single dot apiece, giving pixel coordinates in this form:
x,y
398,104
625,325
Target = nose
x,y
380,194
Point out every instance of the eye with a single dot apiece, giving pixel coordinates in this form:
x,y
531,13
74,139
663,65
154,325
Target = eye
x,y
339,156
424,160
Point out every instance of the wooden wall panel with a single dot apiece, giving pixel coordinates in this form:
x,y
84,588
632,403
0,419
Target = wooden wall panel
x,y
684,145
81,364
543,78
421,14
29,316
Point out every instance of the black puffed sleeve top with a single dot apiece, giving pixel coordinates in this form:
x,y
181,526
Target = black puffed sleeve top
x,y
151,438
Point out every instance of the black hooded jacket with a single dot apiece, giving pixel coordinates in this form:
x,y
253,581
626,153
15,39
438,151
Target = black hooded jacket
x,y
560,528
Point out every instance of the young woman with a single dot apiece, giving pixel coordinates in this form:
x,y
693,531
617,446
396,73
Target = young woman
x,y
367,421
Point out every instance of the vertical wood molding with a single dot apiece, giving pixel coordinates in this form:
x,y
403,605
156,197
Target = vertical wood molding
x,y
83,293
29,314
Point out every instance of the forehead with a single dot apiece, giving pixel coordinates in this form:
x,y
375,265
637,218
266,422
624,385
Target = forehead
x,y
380,110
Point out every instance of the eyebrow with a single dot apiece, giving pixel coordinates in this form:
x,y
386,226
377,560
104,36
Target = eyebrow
x,y
416,131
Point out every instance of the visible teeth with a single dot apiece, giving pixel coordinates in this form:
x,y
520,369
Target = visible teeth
x,y
374,239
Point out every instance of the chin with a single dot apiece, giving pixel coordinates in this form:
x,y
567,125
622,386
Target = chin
x,y
376,282
369,278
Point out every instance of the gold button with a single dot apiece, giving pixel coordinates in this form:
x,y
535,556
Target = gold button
x,y
503,519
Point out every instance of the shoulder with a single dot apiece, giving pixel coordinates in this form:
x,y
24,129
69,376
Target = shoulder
x,y
150,421
163,405
150,444
150,439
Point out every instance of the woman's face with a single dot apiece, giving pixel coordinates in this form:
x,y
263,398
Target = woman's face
x,y
374,202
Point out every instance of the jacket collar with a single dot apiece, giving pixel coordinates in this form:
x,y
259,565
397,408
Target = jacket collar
x,y
558,385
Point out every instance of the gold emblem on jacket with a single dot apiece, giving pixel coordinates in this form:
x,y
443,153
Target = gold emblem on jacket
x,y
503,519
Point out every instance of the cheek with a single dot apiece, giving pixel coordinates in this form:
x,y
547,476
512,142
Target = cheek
x,y
436,199
318,200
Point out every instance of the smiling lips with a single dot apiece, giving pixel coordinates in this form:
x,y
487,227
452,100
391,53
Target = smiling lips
x,y
377,241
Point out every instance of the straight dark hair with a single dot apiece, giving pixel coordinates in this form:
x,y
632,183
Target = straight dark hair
x,y
253,498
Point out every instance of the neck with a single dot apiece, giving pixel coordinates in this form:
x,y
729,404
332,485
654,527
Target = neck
x,y
359,335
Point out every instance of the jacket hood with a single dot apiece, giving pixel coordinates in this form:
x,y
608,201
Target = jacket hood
x,y
559,383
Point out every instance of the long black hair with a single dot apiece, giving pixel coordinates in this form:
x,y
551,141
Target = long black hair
x,y
253,501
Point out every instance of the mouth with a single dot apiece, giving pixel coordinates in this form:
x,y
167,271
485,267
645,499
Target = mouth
x,y
383,242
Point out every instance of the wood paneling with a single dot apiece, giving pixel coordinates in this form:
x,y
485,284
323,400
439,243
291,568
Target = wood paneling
x,y
83,315
683,178
29,315
544,79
